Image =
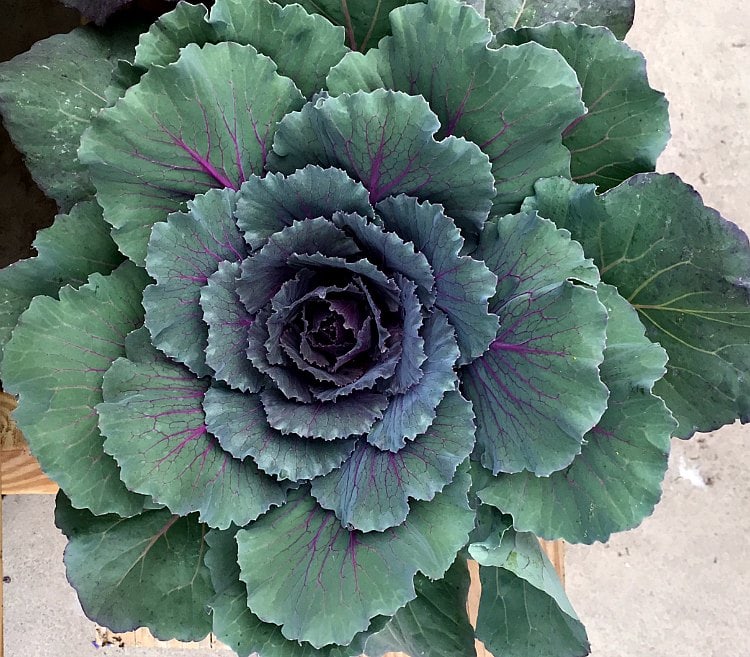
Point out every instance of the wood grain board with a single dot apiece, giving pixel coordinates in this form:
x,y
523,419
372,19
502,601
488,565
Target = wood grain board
x,y
21,474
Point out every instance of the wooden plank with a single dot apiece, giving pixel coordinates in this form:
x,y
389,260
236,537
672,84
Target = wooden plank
x,y
20,473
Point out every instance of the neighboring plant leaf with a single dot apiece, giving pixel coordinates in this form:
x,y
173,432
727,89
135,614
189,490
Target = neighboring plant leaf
x,y
299,557
153,420
365,21
55,362
626,125
616,480
537,390
434,624
395,151
145,571
513,102
97,11
521,594
183,253
237,627
158,146
239,422
685,270
372,489
76,245
617,15
47,98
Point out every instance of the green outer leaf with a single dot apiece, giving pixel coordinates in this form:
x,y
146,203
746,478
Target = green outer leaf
x,y
371,490
304,47
153,420
55,361
462,285
323,583
183,129
626,126
537,391
47,99
76,245
237,627
183,253
617,15
185,24
386,140
435,623
239,422
616,480
145,571
513,102
685,270
280,33
365,21
523,609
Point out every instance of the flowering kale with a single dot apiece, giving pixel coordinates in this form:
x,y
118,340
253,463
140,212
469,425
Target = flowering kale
x,y
381,311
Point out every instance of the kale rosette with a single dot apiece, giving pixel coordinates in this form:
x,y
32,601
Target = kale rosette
x,y
339,318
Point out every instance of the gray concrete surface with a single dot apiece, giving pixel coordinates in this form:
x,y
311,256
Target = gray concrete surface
x,y
676,586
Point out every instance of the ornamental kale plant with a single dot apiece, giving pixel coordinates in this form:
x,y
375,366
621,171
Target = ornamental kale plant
x,y
345,295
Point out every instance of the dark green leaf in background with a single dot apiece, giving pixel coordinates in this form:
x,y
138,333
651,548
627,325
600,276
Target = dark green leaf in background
x,y
686,270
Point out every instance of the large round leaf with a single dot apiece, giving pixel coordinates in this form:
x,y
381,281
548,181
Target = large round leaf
x,y
183,129
626,125
56,361
685,270
323,583
513,102
615,482
386,140
145,571
153,418
537,389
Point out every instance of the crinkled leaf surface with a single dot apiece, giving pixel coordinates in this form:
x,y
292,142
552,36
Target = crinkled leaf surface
x,y
371,490
183,253
537,389
386,140
76,245
685,270
185,128
47,99
237,627
153,418
616,480
412,412
55,361
228,322
323,583
365,21
144,571
435,623
522,593
270,204
626,125
513,102
239,422
462,285
617,15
